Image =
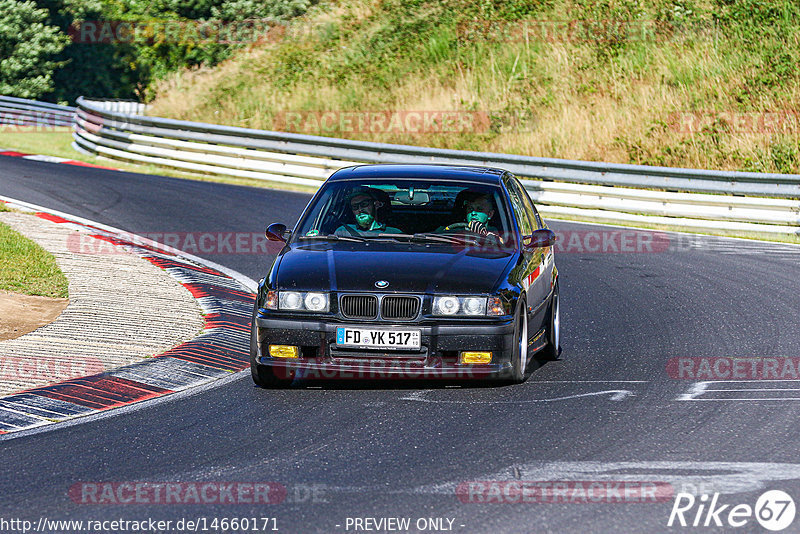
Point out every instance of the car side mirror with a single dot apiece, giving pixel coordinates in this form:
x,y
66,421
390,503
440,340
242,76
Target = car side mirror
x,y
540,239
276,232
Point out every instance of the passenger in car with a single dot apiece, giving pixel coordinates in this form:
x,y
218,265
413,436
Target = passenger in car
x,y
364,202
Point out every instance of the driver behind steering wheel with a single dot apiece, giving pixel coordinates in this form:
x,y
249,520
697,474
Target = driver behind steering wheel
x,y
479,210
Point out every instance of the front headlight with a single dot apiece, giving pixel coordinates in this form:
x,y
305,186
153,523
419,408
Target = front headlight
x,y
290,300
446,305
316,302
463,306
474,306
300,301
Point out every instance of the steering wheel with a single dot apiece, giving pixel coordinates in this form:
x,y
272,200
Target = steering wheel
x,y
456,225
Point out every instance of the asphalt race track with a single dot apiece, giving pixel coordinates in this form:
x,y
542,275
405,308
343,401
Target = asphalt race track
x,y
609,411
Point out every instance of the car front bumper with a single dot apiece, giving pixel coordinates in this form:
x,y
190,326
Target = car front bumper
x,y
438,356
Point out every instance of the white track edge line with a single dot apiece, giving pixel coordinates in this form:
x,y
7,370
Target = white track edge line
x,y
189,391
246,281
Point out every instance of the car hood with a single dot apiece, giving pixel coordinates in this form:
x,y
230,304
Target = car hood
x,y
420,270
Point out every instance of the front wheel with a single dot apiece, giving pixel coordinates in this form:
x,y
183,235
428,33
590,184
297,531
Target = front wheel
x,y
519,358
552,350
263,375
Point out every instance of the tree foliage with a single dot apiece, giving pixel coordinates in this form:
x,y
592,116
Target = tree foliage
x,y
28,45
125,69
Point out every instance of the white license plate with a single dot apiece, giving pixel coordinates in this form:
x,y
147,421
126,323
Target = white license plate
x,y
377,339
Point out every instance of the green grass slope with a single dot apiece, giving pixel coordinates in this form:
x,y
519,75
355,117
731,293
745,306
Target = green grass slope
x,y
704,83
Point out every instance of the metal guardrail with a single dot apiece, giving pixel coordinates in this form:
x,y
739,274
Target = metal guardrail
x,y
20,112
688,198
122,106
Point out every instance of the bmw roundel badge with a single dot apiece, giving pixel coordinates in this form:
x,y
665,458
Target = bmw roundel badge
x,y
380,284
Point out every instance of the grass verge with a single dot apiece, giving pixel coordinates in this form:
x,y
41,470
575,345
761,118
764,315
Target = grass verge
x,y
27,268
49,142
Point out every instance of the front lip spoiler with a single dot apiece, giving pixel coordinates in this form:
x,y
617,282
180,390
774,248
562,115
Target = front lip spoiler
x,y
305,369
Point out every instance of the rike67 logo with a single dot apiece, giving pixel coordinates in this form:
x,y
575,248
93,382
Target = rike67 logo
x,y
774,510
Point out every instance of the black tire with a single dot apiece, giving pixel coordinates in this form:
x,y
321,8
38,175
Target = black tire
x,y
552,350
519,356
264,375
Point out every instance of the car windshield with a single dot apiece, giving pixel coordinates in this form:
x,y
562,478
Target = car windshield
x,y
403,209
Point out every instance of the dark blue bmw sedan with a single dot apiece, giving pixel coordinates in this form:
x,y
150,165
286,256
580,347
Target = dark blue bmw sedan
x,y
409,271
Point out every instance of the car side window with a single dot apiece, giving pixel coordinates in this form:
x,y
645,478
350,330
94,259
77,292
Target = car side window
x,y
523,217
539,220
536,220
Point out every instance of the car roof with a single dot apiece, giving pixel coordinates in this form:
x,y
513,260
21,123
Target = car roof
x,y
487,175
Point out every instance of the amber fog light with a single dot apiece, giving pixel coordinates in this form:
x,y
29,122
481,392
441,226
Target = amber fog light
x,y
284,351
475,357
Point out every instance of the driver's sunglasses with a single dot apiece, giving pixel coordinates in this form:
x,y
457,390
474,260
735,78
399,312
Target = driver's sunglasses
x,y
360,205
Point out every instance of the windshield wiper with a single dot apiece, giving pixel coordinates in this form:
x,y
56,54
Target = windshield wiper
x,y
426,237
444,238
333,237
405,237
